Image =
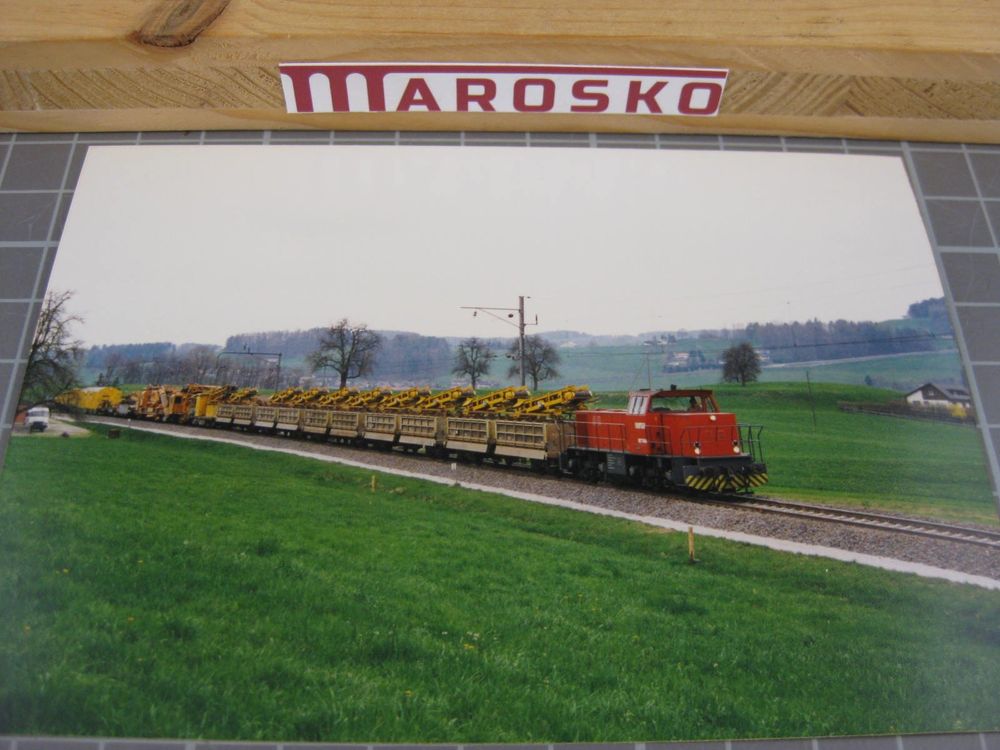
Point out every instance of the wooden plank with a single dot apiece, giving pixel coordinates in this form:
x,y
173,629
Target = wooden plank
x,y
916,69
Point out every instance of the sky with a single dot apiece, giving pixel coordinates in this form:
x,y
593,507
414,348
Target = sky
x,y
195,243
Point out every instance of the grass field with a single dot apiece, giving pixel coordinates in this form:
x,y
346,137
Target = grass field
x,y
621,368
927,468
161,587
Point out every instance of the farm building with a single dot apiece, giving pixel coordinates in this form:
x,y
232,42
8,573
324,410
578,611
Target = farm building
x,y
930,394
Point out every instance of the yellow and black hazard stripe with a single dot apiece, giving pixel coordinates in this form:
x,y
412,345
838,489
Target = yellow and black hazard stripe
x,y
726,482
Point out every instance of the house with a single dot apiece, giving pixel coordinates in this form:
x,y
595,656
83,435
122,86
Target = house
x,y
930,394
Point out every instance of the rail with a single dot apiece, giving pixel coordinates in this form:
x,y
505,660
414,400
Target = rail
x,y
865,519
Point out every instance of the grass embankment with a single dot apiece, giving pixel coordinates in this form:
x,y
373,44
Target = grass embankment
x,y
928,468
161,587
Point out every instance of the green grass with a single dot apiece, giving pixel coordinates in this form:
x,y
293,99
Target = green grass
x,y
928,468
902,374
608,368
161,587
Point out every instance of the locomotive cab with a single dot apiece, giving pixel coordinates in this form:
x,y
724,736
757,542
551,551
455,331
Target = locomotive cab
x,y
673,437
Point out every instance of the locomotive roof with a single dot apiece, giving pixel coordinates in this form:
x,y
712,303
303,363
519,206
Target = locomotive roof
x,y
673,393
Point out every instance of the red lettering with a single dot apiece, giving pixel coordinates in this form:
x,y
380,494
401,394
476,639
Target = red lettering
x,y
301,76
648,97
548,87
711,107
464,96
417,94
599,99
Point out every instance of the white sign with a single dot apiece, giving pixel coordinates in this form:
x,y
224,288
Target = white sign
x,y
525,89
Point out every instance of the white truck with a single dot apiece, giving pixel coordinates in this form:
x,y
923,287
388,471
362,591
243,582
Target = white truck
x,y
37,419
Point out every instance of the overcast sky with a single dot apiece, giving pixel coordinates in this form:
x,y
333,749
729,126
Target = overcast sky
x,y
194,243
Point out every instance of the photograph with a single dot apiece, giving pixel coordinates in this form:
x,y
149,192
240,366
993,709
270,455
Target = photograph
x,y
425,444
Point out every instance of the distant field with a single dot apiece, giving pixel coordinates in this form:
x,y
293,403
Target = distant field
x,y
155,587
928,468
623,368
899,373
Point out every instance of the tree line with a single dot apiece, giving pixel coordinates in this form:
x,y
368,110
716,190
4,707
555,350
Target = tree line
x,y
347,351
812,340
337,355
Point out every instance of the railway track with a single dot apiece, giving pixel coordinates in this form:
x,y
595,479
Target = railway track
x,y
865,519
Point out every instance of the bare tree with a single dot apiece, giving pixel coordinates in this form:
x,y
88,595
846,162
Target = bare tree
x,y
473,358
540,360
347,349
740,364
55,354
131,371
198,363
114,367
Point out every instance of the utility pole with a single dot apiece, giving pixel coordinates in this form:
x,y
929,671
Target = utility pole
x,y
520,325
520,335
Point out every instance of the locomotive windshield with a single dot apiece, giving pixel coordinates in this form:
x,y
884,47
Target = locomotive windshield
x,y
674,400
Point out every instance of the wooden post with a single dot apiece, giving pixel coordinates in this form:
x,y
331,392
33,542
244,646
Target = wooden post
x,y
374,482
691,545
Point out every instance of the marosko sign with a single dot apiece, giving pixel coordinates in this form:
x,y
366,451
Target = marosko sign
x,y
524,89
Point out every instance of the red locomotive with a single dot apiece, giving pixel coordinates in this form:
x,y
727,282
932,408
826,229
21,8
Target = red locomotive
x,y
668,437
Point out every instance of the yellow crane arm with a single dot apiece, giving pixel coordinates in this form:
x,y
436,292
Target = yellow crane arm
x,y
365,399
444,400
495,400
555,403
403,399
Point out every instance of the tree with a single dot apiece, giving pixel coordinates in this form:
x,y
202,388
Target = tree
x,y
740,364
347,349
198,362
540,360
473,358
55,355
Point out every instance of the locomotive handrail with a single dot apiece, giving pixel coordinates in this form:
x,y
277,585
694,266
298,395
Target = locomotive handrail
x,y
753,440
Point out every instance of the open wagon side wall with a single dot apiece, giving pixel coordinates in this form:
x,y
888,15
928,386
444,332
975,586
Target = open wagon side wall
x,y
538,441
421,429
473,435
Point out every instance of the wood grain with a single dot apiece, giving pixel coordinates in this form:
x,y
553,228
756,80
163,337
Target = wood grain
x,y
914,70
177,23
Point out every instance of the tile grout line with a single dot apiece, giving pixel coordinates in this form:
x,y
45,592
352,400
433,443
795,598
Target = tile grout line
x,y
6,410
975,250
979,194
992,458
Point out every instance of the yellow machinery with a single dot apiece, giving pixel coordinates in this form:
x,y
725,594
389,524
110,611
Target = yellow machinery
x,y
553,404
403,399
241,396
285,396
364,399
495,401
444,400
335,398
307,398
94,399
205,403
